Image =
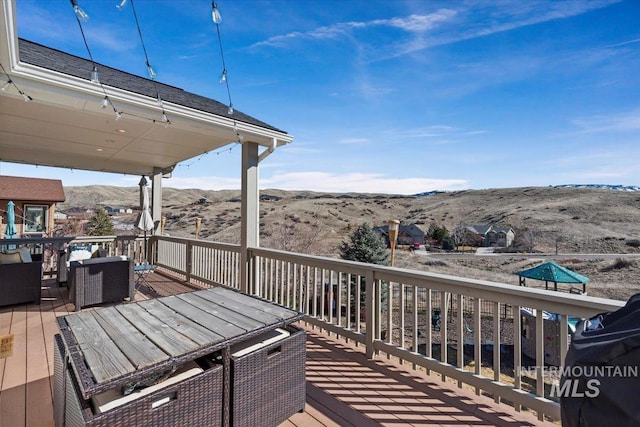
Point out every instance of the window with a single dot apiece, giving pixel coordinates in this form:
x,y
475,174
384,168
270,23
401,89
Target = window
x,y
35,219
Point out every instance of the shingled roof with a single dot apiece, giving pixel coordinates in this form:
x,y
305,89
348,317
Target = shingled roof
x,y
31,189
56,60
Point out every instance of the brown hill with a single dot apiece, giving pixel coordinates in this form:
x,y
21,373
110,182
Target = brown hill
x,y
578,220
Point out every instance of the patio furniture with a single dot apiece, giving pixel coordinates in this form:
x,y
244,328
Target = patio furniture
x,y
141,271
211,357
99,280
76,253
20,282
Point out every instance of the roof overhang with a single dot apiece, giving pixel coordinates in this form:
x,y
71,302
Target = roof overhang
x,y
65,126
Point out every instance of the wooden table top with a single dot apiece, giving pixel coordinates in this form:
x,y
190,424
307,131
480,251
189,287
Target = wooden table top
x,y
118,342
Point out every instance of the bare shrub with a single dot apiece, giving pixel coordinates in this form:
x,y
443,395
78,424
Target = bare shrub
x,y
618,264
634,243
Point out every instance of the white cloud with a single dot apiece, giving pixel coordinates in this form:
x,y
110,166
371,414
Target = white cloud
x,y
413,23
354,141
359,183
447,26
203,182
622,122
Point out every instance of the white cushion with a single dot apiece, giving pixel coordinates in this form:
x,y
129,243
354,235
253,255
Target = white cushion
x,y
259,342
25,253
80,252
113,398
10,258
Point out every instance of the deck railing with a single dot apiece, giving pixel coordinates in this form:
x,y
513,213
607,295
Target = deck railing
x,y
469,331
49,247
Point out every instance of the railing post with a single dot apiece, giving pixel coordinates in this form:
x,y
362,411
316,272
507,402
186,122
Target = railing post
x,y
188,260
371,313
252,276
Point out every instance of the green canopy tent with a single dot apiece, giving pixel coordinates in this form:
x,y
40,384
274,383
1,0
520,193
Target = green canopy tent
x,y
552,272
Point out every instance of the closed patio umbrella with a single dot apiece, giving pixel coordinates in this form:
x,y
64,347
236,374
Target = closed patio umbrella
x,y
145,221
11,230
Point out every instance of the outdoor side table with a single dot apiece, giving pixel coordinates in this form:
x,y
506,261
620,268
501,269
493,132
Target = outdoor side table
x,y
180,348
141,271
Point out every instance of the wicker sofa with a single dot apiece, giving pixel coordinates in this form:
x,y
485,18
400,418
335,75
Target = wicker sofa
x,y
99,280
20,283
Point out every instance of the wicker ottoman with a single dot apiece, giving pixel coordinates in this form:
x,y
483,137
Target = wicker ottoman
x,y
196,401
268,382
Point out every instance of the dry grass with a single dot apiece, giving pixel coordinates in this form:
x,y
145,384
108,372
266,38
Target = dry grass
x,y
572,220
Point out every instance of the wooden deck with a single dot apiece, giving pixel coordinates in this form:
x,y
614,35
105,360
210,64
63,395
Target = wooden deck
x,y
343,387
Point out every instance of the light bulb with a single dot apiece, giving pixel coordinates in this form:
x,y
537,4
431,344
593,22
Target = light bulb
x,y
230,110
152,74
26,97
95,77
121,5
223,76
6,85
215,13
165,118
118,115
80,14
105,102
159,102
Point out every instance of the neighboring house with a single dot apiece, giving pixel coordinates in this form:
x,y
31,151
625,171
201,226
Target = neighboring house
x,y
490,235
35,202
407,234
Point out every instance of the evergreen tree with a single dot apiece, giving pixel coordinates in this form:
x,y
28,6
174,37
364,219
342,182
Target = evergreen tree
x,y
100,224
365,245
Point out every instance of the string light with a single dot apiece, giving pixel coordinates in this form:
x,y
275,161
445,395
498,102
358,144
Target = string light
x,y
206,153
217,19
215,13
80,14
121,5
106,101
150,70
152,74
10,82
95,77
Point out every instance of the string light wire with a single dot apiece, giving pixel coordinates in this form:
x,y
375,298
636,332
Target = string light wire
x,y
106,100
224,78
152,73
10,82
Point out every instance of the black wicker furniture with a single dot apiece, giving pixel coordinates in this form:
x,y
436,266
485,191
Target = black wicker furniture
x,y
112,350
266,387
20,282
100,280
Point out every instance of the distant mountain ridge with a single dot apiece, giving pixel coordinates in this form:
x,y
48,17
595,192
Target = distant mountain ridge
x,y
601,187
591,186
584,219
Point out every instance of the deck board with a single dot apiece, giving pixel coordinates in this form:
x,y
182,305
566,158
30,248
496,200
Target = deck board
x,y
343,387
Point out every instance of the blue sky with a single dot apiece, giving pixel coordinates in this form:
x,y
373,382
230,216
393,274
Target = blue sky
x,y
385,96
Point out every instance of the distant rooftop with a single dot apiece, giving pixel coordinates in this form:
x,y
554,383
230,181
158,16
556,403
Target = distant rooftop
x,y
31,189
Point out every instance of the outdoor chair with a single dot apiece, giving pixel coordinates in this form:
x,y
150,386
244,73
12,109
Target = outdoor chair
x,y
20,283
99,280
